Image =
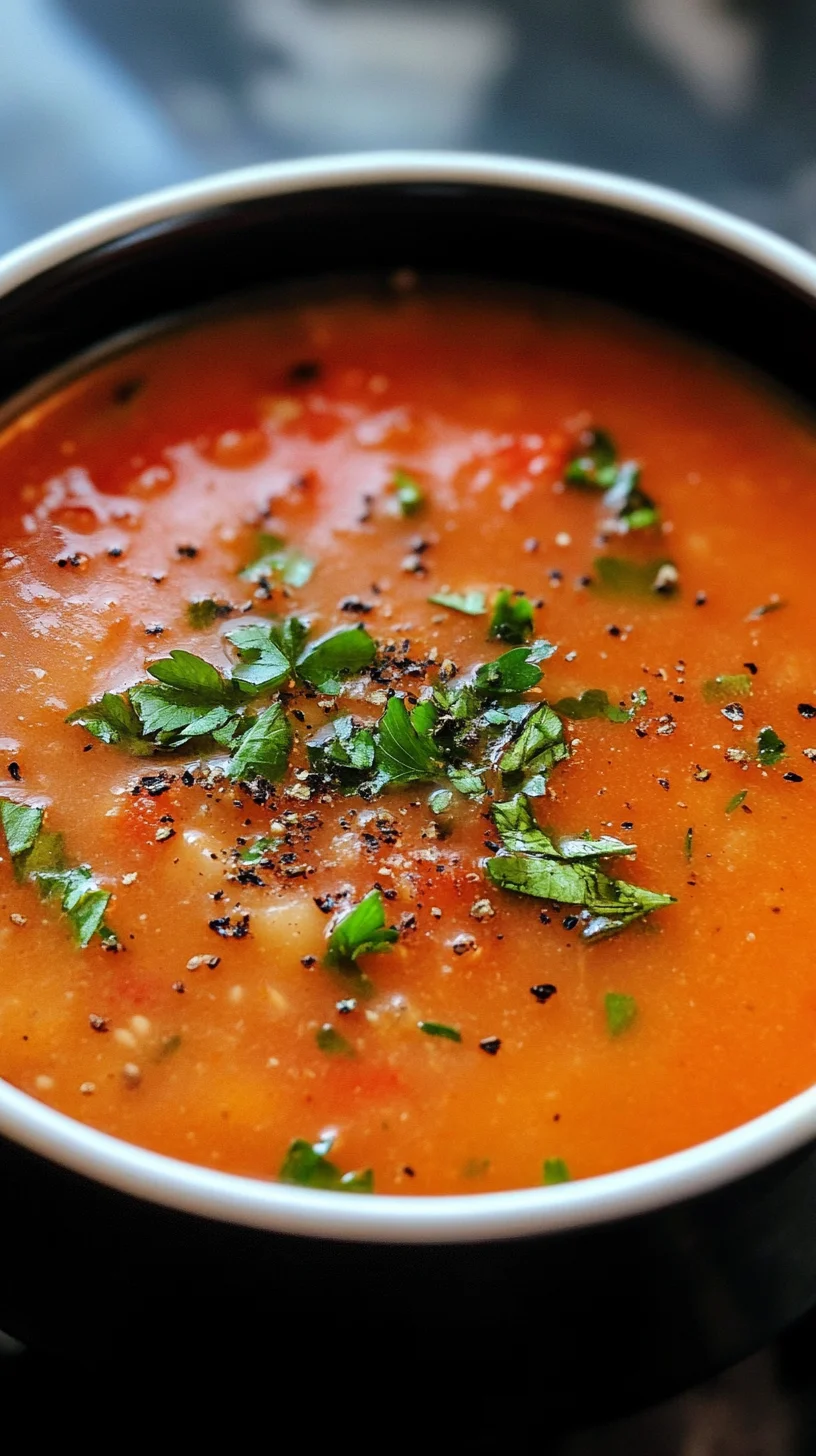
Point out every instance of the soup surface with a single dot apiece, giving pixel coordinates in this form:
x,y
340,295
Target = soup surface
x,y
347,508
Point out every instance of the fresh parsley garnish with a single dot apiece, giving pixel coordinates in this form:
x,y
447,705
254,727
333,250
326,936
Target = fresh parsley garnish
x,y
113,719
342,750
539,746
770,748
37,855
512,618
636,578
472,603
554,1170
334,656
595,466
332,1042
438,1028
360,931
271,653
408,495
621,1012
203,611
308,1165
264,747
259,849
275,559
520,834
405,751
594,703
514,672
265,659
726,686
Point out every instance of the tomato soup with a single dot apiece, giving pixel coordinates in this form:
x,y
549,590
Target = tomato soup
x,y
407,746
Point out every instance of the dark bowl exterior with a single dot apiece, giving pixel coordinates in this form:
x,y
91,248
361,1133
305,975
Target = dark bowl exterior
x,y
595,1319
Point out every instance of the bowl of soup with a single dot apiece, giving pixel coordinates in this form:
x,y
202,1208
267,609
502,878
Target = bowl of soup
x,y
408,763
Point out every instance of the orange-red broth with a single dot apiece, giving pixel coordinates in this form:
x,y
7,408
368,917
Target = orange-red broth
x,y
480,400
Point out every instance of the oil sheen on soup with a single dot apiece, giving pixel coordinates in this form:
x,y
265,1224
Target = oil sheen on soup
x,y
408,743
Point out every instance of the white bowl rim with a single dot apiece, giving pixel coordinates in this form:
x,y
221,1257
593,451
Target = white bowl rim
x,y
456,1218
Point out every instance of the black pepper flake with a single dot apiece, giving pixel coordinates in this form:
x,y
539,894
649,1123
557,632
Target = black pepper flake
x,y
792,778
230,929
409,1172
98,1023
544,918
346,1006
700,599
753,669
492,845
154,630
326,903
126,390
308,961
490,1044
14,771
178,987
734,712
806,710
628,824
569,922
187,779
613,631
543,992
188,553
75,559
664,784
355,604
306,371
114,551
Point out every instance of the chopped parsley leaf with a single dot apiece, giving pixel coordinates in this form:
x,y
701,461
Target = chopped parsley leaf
x,y
264,748
554,1171
726,686
329,1040
512,618
307,1164
770,748
334,656
405,752
37,856
514,672
472,603
438,1028
620,1010
655,578
360,931
594,703
408,494
275,559
613,904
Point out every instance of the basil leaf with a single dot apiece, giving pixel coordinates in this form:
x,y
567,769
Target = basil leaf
x,y
338,654
657,578
37,856
329,1040
275,558
770,748
21,825
593,703
112,719
512,618
554,1170
514,672
438,1028
361,931
727,686
263,663
539,746
621,1012
403,754
263,751
472,603
408,493
614,903
307,1165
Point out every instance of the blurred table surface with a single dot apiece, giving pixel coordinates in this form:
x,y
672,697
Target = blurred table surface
x,y
103,99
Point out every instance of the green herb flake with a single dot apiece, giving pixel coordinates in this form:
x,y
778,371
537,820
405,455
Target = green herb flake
x,y
203,611
409,496
621,1012
264,748
770,748
726,687
539,746
594,703
622,577
258,851
476,1167
307,1165
275,559
515,672
405,751
554,1171
613,904
440,801
594,463
688,844
113,719
472,603
329,1040
264,654
21,825
361,931
512,618
438,1028
736,800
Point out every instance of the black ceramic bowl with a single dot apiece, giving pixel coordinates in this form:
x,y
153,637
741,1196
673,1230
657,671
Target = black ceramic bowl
x,y
597,1294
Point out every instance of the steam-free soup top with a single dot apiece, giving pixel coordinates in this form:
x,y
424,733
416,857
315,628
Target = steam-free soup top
x,y
408,743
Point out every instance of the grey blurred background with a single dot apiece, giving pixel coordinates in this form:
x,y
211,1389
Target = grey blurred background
x,y
103,99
